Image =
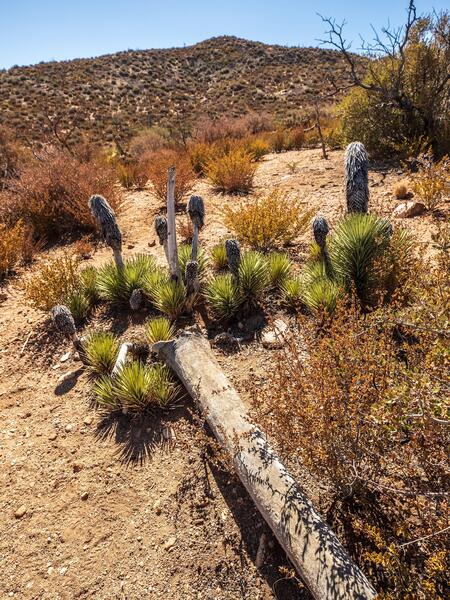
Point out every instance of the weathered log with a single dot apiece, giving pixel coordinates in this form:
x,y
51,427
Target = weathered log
x,y
321,561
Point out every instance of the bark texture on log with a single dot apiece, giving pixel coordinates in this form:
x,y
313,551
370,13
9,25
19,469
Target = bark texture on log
x,y
320,559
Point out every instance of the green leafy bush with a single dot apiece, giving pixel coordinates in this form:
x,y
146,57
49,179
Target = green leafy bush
x,y
101,349
223,296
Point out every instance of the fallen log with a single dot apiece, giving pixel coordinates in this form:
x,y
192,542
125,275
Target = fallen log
x,y
316,553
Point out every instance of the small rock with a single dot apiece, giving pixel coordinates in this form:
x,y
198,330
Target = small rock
x,y
84,495
77,467
170,543
50,571
66,377
409,209
53,436
130,246
63,570
65,357
68,428
21,511
157,507
87,420
275,336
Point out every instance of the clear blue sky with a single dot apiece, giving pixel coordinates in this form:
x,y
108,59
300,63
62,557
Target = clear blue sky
x,y
41,30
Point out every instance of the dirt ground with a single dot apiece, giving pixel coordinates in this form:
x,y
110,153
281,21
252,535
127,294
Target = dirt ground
x,y
110,509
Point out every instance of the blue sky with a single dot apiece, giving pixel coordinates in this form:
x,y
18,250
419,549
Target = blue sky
x,y
41,30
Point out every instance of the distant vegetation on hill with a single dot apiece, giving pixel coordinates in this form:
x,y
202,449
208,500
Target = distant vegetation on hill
x,y
114,95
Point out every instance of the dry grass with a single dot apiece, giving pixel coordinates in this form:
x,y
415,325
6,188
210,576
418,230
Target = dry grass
x,y
431,182
232,173
266,222
160,162
401,191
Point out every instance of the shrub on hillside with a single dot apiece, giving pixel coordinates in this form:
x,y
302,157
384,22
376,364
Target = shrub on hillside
x,y
160,162
232,173
51,193
266,222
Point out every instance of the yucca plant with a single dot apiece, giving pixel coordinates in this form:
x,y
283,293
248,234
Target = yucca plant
x,y
291,291
359,242
117,285
138,386
88,280
79,304
168,296
159,329
101,349
219,257
223,296
279,268
104,392
184,256
320,295
253,276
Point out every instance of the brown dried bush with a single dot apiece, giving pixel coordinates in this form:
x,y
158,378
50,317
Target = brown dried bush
x,y
160,162
401,191
431,182
52,193
363,406
11,240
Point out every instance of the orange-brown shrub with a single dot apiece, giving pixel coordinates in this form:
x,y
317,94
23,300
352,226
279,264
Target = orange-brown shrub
x,y
279,140
363,406
232,173
11,239
401,191
52,192
10,154
133,174
160,162
296,138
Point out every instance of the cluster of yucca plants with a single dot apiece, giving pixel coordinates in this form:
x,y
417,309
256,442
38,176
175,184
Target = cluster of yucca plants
x,y
250,276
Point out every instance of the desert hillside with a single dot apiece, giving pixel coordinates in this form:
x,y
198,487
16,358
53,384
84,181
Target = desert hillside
x,y
113,95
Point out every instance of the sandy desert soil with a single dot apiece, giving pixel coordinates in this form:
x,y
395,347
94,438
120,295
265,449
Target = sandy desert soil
x,y
110,509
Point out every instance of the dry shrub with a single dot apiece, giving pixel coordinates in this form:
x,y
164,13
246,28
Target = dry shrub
x,y
52,193
147,141
132,174
53,281
209,130
401,191
279,140
232,173
363,407
10,156
160,162
256,146
431,182
268,221
185,229
200,154
11,241
83,248
296,138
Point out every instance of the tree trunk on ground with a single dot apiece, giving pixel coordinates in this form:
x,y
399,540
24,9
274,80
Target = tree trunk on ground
x,y
321,561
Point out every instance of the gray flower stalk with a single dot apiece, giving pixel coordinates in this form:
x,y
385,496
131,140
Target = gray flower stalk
x,y
233,251
64,322
196,212
357,178
161,232
107,223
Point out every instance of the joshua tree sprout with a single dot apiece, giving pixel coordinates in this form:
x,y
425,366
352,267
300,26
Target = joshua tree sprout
x,y
233,256
196,212
320,230
192,283
357,178
64,322
161,232
106,220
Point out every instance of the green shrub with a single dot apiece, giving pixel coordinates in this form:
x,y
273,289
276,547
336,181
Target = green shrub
x,y
138,386
184,255
159,329
279,267
253,275
101,349
223,296
219,257
117,285
79,304
168,296
291,291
